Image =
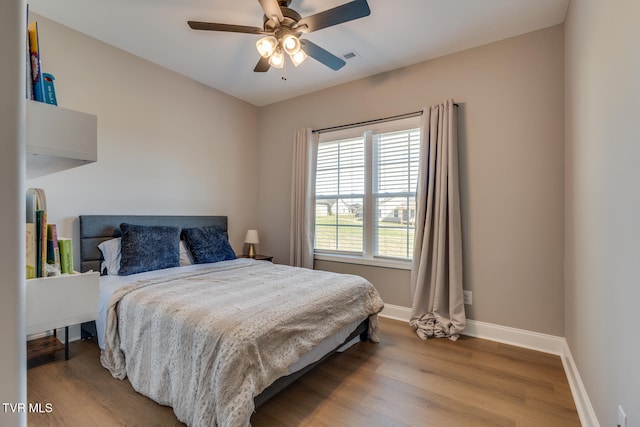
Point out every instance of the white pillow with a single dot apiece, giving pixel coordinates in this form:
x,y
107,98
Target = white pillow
x,y
185,256
111,253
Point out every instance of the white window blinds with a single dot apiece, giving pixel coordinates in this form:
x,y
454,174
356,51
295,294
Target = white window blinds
x,y
365,191
340,193
395,175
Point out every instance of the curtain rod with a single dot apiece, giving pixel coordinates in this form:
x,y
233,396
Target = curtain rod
x,y
368,122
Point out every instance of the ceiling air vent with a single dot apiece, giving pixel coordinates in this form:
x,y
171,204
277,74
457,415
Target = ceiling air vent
x,y
350,55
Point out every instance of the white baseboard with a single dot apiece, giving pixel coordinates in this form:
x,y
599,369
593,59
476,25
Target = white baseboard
x,y
504,334
74,334
396,312
526,339
586,412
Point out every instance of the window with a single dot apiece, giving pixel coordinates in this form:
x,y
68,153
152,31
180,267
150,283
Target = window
x,y
365,191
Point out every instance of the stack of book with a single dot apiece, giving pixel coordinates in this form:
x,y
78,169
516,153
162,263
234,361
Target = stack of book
x,y
46,253
39,85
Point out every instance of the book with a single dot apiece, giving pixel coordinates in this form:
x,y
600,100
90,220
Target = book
x,y
53,251
29,79
41,243
36,214
36,71
66,255
31,205
49,91
31,250
35,200
41,199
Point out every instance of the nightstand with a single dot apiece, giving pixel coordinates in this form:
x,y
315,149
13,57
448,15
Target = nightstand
x,y
258,257
58,302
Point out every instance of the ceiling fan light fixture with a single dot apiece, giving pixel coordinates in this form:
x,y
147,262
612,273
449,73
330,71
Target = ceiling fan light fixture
x,y
267,46
291,44
298,58
276,60
282,28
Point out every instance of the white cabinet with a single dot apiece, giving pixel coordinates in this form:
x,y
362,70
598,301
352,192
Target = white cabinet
x,y
58,138
56,302
59,301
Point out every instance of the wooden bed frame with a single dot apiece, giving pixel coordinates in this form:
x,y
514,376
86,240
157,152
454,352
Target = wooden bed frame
x,y
94,229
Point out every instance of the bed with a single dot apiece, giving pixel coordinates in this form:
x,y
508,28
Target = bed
x,y
214,340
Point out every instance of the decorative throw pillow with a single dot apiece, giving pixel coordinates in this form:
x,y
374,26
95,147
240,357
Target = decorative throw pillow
x,y
207,244
147,248
111,253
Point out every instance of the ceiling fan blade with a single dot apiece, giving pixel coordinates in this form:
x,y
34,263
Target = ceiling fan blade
x,y
262,65
322,55
210,26
339,14
272,8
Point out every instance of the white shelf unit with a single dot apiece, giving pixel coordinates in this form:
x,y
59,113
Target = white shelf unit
x,y
58,139
59,301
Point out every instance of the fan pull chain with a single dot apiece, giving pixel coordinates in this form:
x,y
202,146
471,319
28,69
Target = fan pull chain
x,y
284,70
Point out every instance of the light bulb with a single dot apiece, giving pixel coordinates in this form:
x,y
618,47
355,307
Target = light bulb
x,y
291,44
266,46
277,59
298,58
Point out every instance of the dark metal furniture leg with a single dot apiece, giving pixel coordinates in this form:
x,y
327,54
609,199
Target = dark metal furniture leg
x,y
66,343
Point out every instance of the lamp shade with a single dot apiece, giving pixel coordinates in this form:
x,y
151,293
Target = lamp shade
x,y
266,46
298,58
251,237
276,60
291,44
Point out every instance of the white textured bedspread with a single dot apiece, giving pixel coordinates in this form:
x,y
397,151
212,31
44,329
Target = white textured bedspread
x,y
206,343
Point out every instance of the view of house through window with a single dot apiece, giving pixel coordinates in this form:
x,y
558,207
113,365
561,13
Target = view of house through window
x,y
365,190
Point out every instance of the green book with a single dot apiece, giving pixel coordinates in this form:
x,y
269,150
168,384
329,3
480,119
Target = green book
x,y
66,255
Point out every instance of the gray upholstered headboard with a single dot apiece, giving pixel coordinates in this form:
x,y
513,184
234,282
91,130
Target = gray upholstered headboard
x,y
95,229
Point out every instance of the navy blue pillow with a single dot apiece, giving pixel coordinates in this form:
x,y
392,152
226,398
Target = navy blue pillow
x,y
147,248
207,244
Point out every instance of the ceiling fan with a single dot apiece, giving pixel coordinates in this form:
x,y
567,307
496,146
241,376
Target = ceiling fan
x,y
282,28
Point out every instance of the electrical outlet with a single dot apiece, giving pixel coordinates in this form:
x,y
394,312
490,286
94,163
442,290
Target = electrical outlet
x,y
622,417
468,297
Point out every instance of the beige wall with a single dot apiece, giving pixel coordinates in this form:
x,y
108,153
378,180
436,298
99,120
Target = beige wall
x,y
511,157
389,281
602,204
166,144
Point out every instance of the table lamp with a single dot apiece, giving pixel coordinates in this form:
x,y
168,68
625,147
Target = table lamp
x,y
252,238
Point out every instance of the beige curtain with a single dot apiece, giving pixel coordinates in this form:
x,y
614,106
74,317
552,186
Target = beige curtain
x,y
436,275
305,148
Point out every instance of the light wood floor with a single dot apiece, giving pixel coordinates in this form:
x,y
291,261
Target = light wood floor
x,y
400,381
